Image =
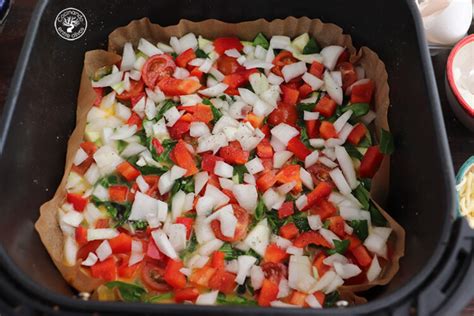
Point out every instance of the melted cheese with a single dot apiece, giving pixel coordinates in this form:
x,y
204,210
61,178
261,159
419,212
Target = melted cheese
x,y
466,196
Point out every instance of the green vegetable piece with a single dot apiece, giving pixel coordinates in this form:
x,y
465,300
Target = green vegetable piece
x,y
261,40
201,54
312,47
376,217
231,299
352,151
168,104
386,143
159,298
358,109
300,219
239,171
260,210
361,228
186,184
340,246
139,225
331,299
128,291
363,196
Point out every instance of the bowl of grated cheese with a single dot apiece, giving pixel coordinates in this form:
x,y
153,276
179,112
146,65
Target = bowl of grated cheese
x,y
465,189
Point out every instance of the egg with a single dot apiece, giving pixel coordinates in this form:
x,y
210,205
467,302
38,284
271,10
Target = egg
x,y
446,21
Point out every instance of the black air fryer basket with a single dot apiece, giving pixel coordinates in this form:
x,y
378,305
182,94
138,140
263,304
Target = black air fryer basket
x,y
436,275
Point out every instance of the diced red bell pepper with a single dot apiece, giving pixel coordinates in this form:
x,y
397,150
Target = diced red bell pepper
x,y
286,209
354,242
319,264
289,231
121,244
344,57
320,296
238,79
371,162
362,93
99,93
362,256
128,171
124,270
266,130
317,69
185,57
327,130
201,276
105,270
357,134
311,237
222,281
348,74
268,293
175,87
187,222
324,209
159,149
296,146
195,72
336,225
134,119
202,113
102,223
290,173
312,128
186,294
290,96
322,191
184,159
208,162
297,298
221,44
153,252
89,147
217,260
179,128
265,149
78,202
275,254
173,276
234,154
326,106
81,235
305,90
267,164
118,193
255,120
266,181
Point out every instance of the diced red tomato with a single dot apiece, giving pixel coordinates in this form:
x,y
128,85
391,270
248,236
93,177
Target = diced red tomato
x,y
102,223
238,79
184,159
289,174
311,237
217,260
187,222
362,93
305,90
326,106
81,235
348,74
327,130
266,181
296,146
290,96
289,231
320,296
156,68
361,255
179,128
159,149
344,57
357,134
128,171
223,281
320,173
336,225
186,294
78,202
85,249
152,276
275,254
136,89
175,87
134,119
284,113
208,162
322,191
105,270
222,44
317,69
268,293
324,209
319,264
371,162
173,276
201,276
202,113
121,244
312,128
354,242
99,93
152,251
243,221
118,193
196,73
265,149
124,270
228,65
255,120
281,60
234,154
185,57
286,209
89,147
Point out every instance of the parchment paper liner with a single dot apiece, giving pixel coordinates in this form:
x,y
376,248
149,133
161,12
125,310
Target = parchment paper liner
x,y
325,33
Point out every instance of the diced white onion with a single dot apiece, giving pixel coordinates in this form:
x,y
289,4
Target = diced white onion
x,y
207,298
301,202
329,236
346,271
310,116
374,270
284,132
334,91
245,264
246,195
90,260
311,159
274,79
294,70
331,55
223,169
342,120
101,233
313,81
209,247
214,91
70,250
315,222
339,180
148,48
306,179
347,167
80,157
200,180
256,277
163,243
128,57
104,250
254,166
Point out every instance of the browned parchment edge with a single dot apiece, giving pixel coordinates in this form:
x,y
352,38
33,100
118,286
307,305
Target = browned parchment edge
x,y
326,34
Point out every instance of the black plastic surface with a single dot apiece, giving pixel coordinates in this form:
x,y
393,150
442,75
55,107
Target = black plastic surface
x,y
40,115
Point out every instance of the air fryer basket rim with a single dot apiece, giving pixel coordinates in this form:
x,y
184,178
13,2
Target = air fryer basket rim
x,y
391,299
